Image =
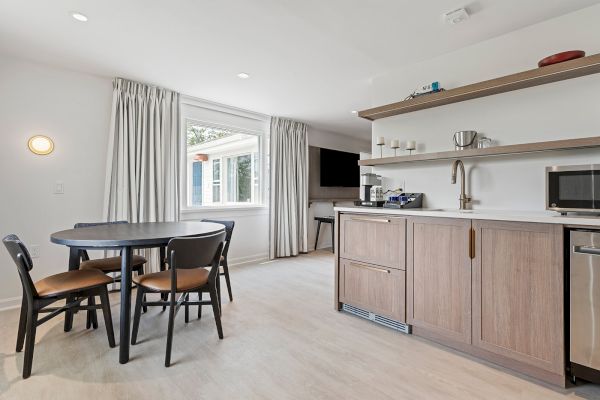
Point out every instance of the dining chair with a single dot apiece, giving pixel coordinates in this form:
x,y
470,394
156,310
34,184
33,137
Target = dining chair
x,y
229,225
75,286
187,258
107,265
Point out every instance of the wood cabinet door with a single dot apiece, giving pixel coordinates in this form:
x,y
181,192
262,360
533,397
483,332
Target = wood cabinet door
x,y
439,277
373,239
518,292
373,288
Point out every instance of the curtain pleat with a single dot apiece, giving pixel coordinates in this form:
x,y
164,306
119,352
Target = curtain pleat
x,y
142,176
289,188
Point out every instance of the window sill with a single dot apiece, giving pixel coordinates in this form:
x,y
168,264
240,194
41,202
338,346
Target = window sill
x,y
243,210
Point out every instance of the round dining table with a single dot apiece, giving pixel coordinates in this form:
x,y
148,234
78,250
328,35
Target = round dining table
x,y
125,238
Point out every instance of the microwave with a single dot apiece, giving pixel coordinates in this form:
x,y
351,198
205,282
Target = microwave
x,y
573,188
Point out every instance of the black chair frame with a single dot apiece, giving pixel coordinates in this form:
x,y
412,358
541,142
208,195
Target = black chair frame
x,y
32,305
229,225
184,253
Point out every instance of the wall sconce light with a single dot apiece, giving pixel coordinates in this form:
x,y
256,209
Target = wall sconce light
x,y
40,144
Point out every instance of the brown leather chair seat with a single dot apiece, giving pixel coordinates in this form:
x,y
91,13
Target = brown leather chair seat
x,y
72,281
112,264
187,279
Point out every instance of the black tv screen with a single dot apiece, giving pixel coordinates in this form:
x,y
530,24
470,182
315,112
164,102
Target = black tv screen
x,y
339,168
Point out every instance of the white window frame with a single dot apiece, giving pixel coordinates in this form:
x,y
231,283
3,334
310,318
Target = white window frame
x,y
220,183
261,199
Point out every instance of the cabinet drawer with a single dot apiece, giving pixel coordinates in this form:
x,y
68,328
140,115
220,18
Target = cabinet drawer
x,y
373,239
377,289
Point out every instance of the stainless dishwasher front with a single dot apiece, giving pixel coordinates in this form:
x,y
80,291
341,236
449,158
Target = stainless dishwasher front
x,y
584,295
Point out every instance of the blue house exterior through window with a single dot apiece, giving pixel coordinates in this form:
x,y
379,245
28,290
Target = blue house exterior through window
x,y
197,183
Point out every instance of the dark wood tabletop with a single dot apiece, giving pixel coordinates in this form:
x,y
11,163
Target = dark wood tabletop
x,y
146,234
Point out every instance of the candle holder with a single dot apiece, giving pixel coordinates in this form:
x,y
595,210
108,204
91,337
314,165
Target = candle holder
x,y
381,143
410,146
395,144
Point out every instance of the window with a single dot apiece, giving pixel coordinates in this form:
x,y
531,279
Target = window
x,y
216,182
197,183
223,166
239,182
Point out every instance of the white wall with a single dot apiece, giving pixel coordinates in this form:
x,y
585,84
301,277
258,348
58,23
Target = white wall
x,y
74,110
567,109
335,141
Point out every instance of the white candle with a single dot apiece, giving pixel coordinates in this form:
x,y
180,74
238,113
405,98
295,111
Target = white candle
x,y
411,145
395,144
380,140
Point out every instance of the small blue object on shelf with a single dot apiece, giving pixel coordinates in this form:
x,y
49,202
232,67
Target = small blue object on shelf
x,y
432,87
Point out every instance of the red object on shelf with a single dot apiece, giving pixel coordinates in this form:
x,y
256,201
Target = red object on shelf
x,y
561,57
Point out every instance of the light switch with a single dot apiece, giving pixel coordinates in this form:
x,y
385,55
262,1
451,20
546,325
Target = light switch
x,y
34,251
59,187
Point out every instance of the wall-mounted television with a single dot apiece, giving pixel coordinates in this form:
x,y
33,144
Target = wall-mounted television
x,y
339,168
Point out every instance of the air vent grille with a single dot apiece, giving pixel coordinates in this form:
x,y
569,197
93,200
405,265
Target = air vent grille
x,y
390,323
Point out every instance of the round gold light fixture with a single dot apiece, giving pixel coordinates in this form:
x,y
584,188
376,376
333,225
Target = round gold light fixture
x,y
40,144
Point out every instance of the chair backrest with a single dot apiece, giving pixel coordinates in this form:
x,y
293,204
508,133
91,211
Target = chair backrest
x,y
228,232
194,252
83,253
19,253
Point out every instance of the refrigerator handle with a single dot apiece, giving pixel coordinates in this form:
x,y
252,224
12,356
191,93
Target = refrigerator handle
x,y
594,251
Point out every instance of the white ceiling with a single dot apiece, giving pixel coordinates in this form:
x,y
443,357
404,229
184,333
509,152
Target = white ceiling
x,y
311,60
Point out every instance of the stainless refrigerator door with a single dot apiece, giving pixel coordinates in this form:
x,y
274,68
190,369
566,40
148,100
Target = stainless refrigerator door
x,y
585,298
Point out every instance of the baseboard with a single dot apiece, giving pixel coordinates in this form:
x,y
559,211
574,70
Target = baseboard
x,y
10,303
322,247
248,259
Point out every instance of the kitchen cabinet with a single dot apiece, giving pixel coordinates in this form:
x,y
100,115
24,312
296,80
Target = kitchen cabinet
x,y
493,289
518,292
373,239
439,276
377,289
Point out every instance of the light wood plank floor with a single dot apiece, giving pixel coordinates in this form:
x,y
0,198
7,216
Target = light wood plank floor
x,y
283,340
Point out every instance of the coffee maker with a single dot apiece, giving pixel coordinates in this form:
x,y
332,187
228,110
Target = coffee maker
x,y
370,191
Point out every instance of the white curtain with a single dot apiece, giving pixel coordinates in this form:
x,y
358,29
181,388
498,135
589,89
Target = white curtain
x,y
142,177
289,188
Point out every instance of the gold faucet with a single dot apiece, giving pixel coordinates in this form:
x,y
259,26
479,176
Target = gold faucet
x,y
464,199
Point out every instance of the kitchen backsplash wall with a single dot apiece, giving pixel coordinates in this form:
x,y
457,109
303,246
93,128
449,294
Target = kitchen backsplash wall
x,y
568,109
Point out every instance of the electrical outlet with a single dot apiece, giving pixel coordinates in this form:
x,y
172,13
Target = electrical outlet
x,y
59,187
34,251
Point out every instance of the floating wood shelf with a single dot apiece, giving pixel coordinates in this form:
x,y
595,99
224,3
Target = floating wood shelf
x,y
534,77
566,144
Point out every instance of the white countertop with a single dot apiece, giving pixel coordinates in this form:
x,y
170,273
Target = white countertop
x,y
548,217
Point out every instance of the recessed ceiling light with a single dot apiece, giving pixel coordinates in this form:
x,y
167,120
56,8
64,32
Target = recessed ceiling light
x,y
243,75
79,17
354,112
